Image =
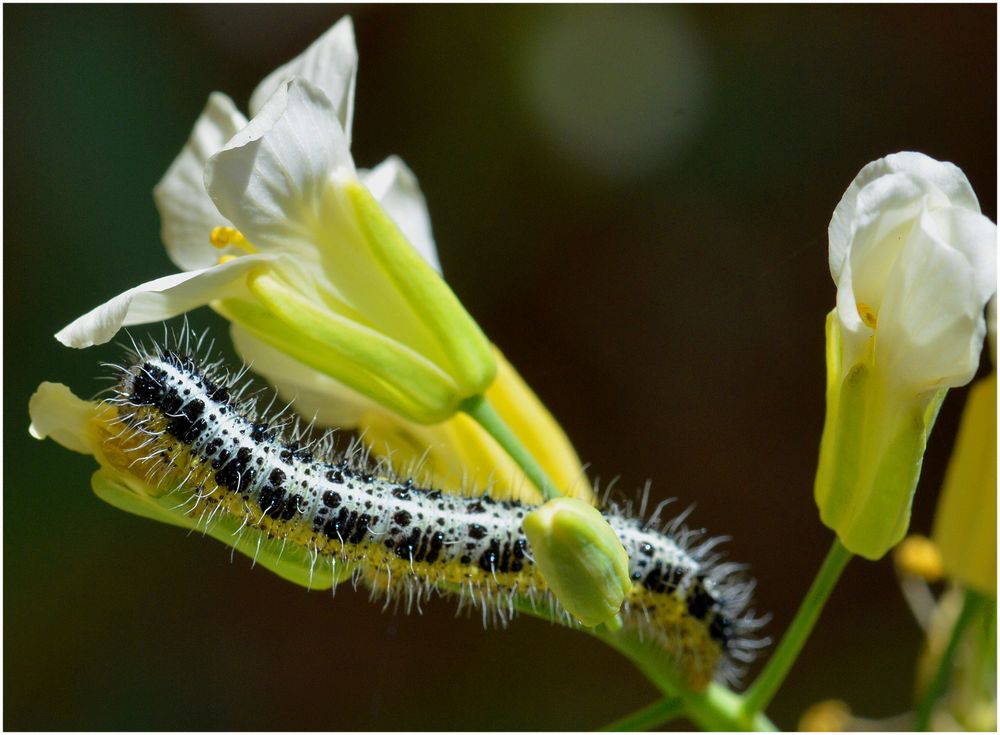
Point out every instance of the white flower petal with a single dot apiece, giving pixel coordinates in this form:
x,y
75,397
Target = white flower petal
x,y
160,299
58,414
853,331
975,237
395,187
931,327
885,211
314,394
272,177
991,328
186,211
330,63
281,182
945,177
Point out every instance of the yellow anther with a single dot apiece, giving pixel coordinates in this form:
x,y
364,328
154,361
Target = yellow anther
x,y
918,556
867,314
222,237
226,258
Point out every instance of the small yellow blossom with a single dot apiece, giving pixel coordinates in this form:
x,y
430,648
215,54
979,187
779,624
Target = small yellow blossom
x,y
918,556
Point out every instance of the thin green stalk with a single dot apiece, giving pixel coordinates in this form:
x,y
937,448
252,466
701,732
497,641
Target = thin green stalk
x,y
648,717
480,410
714,708
767,684
922,718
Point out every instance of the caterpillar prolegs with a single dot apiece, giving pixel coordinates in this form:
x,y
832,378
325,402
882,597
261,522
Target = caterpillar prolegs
x,y
178,421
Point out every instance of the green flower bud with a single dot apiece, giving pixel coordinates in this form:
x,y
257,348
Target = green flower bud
x,y
580,558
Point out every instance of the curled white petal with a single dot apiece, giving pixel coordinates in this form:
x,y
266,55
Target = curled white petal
x,y
272,177
946,178
884,214
58,414
330,63
187,213
930,327
160,299
395,187
283,181
316,396
975,237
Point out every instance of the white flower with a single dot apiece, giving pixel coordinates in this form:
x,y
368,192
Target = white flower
x,y
915,263
275,228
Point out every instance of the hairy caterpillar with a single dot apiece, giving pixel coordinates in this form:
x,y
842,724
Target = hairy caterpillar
x,y
178,422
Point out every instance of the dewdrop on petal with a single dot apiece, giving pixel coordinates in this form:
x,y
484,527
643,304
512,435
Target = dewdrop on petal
x,y
580,558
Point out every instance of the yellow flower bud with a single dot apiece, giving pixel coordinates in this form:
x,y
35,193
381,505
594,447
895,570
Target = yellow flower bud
x,y
830,715
581,559
919,557
965,525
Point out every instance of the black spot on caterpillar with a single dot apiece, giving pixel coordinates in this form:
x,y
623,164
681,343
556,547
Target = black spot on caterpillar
x,y
179,423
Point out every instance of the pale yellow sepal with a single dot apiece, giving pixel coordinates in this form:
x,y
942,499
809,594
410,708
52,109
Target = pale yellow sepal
x,y
538,430
56,413
459,455
965,525
580,557
871,452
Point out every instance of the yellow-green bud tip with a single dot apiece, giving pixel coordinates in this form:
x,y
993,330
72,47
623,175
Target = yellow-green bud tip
x,y
580,558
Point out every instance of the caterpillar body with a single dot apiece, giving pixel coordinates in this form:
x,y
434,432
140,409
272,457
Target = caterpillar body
x,y
178,422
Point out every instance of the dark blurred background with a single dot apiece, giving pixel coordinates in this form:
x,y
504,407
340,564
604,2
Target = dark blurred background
x,y
632,201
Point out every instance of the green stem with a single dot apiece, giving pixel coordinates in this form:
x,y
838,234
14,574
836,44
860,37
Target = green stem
x,y
648,717
714,708
935,689
767,684
480,410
